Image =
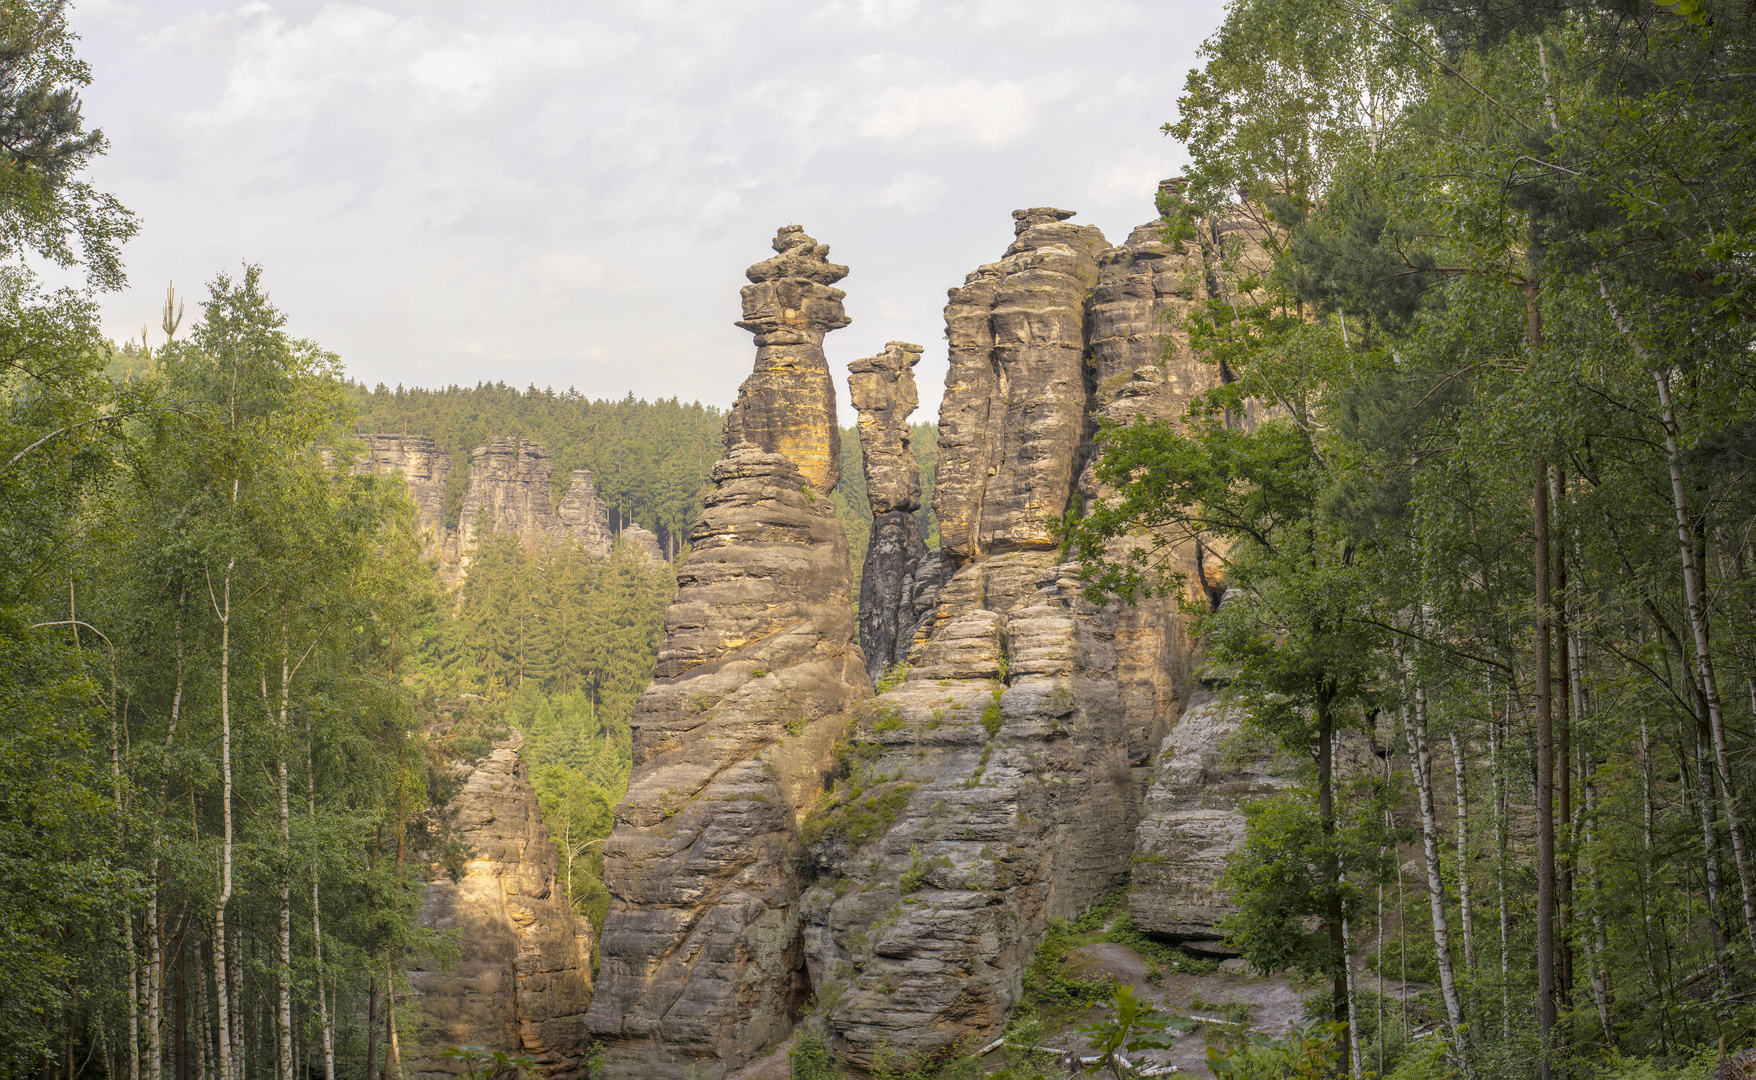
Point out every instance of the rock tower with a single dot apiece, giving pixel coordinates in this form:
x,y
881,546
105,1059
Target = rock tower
x,y
702,954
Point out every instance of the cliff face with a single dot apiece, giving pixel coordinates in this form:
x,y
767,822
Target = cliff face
x,y
522,981
1003,762
701,949
425,468
510,482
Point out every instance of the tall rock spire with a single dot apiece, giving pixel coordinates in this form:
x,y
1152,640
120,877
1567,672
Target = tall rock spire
x,y
787,405
899,570
702,961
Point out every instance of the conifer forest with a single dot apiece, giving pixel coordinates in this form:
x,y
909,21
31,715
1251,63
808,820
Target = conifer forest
x,y
1425,623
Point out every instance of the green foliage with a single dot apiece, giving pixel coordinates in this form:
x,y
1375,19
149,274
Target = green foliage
x,y
856,815
894,676
479,1062
1308,1053
1283,879
810,1057
1131,1025
992,716
1161,954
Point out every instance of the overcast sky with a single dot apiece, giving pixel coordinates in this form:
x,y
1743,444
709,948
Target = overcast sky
x,y
567,194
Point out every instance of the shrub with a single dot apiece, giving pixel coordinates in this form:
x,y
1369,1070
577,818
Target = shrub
x,y
856,816
991,716
810,1057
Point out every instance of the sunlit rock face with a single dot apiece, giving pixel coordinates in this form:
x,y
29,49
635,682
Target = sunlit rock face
x,y
510,486
524,974
702,959
1012,424
899,583
425,468
787,405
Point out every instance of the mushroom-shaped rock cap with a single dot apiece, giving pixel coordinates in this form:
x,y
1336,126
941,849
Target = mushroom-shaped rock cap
x,y
800,257
1038,215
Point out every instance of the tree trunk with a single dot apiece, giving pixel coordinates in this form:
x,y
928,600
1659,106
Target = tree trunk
x,y
1697,604
283,1015
1545,779
1563,745
1499,798
1465,911
221,968
392,1047
323,1021
1696,601
1333,916
1600,943
371,1026
1421,753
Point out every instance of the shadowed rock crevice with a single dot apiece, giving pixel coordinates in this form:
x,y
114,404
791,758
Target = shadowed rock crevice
x,y
901,576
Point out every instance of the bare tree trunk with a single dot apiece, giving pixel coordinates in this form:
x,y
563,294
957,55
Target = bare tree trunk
x,y
283,1016
1545,780
1466,912
1704,801
203,1022
155,959
1697,604
393,1047
1563,745
323,1021
1494,766
1646,830
221,967
1422,761
235,991
371,1026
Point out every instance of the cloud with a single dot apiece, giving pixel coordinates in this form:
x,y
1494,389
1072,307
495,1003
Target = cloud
x,y
570,193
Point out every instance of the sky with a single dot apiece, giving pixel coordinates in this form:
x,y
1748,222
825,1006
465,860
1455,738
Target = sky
x,y
567,194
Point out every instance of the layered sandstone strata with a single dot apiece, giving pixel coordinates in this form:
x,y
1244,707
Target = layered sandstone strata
x,y
510,481
1012,425
524,975
787,405
1002,771
702,961
900,575
424,467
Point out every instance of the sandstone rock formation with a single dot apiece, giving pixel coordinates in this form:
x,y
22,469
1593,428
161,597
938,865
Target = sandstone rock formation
x,y
582,515
1001,771
645,542
1193,819
787,405
1000,784
899,583
1012,426
522,982
701,953
510,482
425,468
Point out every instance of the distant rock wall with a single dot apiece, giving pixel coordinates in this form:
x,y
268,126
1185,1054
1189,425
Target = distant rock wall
x,y
524,976
702,957
510,485
425,468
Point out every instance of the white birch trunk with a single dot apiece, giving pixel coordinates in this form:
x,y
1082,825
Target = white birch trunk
x,y
221,967
1466,912
1423,763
